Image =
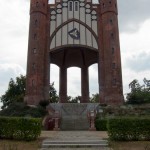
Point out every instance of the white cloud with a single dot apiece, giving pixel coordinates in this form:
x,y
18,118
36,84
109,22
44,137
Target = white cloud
x,y
14,16
132,14
135,48
93,79
8,71
137,42
74,81
54,76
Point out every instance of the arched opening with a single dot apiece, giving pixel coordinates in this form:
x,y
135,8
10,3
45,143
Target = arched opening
x,y
67,57
54,76
93,82
74,83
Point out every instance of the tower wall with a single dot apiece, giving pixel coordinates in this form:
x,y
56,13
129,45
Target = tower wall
x,y
110,60
36,64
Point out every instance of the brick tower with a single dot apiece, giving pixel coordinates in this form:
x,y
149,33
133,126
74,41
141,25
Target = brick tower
x,y
109,59
37,83
74,33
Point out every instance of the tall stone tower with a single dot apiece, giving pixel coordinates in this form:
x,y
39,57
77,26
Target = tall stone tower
x,y
110,60
37,83
74,33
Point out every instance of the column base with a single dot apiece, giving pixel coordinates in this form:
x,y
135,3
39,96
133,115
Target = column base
x,y
92,129
56,129
33,100
112,100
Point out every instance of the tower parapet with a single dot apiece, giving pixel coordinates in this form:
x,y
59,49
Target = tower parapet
x,y
108,6
38,6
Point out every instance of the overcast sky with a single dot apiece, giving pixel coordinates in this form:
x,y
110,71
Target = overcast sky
x,y
134,26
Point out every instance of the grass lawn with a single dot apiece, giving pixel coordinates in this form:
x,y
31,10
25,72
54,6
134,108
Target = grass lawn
x,y
35,145
138,145
19,145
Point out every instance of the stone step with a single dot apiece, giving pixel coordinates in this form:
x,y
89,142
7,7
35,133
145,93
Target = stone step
x,y
76,148
74,120
76,124
84,128
74,128
87,143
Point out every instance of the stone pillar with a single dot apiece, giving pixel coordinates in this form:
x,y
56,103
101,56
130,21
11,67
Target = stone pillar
x,y
84,85
56,128
63,85
92,121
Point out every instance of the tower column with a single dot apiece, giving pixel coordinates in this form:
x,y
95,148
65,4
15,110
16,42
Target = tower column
x,y
63,85
37,64
84,85
110,59
101,78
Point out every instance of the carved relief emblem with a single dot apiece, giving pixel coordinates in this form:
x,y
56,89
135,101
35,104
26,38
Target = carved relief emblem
x,y
74,33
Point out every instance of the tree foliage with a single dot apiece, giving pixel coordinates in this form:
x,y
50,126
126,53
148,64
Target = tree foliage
x,y
94,98
139,94
74,99
15,92
54,98
22,110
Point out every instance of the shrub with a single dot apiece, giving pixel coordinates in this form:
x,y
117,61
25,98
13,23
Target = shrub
x,y
22,110
20,128
44,103
101,124
129,129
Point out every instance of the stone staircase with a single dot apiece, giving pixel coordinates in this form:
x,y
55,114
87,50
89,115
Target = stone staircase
x,y
74,115
73,144
72,134
74,123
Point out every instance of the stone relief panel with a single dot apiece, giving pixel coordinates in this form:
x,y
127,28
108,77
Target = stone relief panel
x,y
73,23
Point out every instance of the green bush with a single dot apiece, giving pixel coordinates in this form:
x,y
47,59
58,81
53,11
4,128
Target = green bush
x,y
101,124
129,129
20,128
44,103
22,110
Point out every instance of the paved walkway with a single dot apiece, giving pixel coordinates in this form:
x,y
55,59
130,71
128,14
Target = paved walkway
x,y
90,148
75,136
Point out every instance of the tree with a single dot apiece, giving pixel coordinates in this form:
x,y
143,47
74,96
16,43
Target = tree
x,y
94,98
139,94
74,99
54,98
15,92
134,85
